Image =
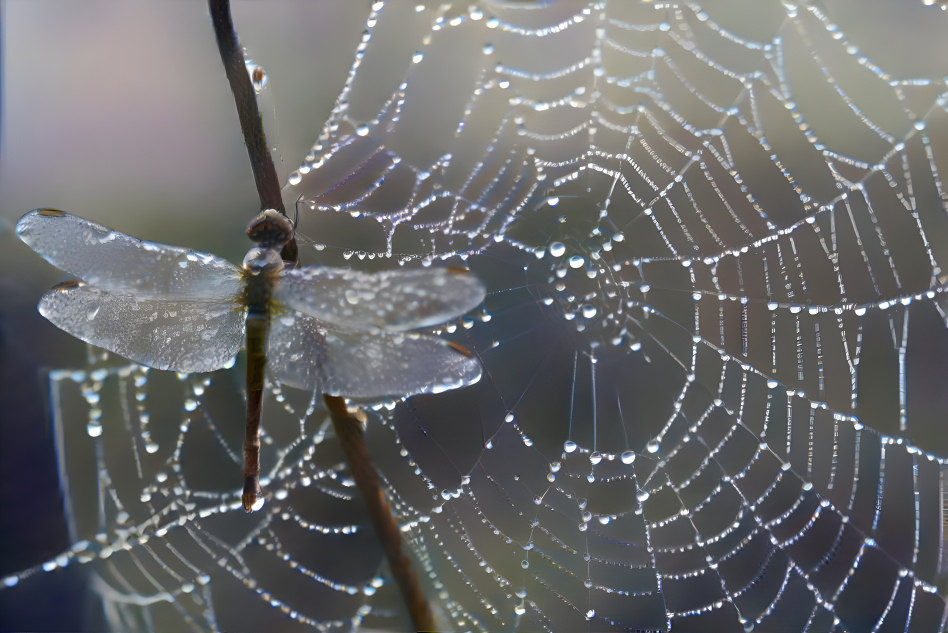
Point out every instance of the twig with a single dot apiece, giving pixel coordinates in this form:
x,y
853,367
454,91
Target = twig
x,y
235,67
347,428
349,431
264,173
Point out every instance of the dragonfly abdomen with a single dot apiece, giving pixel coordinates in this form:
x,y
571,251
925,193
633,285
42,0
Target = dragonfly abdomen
x,y
257,294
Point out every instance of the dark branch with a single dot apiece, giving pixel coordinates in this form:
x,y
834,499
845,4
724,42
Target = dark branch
x,y
349,432
264,173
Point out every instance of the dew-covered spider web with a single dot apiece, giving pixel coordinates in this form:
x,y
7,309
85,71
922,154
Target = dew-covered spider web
x,y
714,237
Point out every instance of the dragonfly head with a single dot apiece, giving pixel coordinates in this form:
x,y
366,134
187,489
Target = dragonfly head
x,y
270,229
263,260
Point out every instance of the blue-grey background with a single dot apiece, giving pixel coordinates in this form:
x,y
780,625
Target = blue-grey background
x,y
120,112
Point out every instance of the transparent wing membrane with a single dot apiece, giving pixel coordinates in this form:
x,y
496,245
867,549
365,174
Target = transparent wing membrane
x,y
112,260
387,300
183,336
303,353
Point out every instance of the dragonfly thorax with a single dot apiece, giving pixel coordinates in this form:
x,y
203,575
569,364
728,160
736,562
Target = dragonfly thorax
x,y
263,260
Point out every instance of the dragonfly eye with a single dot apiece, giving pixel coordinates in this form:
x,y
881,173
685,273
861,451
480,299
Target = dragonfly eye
x,y
270,229
260,260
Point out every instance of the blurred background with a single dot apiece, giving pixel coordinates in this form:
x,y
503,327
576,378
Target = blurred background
x,y
120,112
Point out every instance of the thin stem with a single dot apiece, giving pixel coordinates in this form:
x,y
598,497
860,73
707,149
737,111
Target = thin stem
x,y
264,173
251,125
349,432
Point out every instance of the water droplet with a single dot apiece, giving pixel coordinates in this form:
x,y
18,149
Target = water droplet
x,y
653,446
258,76
417,57
525,564
590,614
627,457
569,446
576,261
557,249
642,495
94,429
595,457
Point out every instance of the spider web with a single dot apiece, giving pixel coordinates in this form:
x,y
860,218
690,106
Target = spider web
x,y
714,343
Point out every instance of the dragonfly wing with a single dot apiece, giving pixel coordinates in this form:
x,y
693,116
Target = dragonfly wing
x,y
393,300
296,350
179,335
304,353
115,261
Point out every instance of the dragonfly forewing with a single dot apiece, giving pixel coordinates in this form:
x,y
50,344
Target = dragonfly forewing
x,y
303,353
112,260
177,335
393,300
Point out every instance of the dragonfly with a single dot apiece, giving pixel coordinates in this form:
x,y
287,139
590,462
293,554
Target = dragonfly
x,y
334,330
